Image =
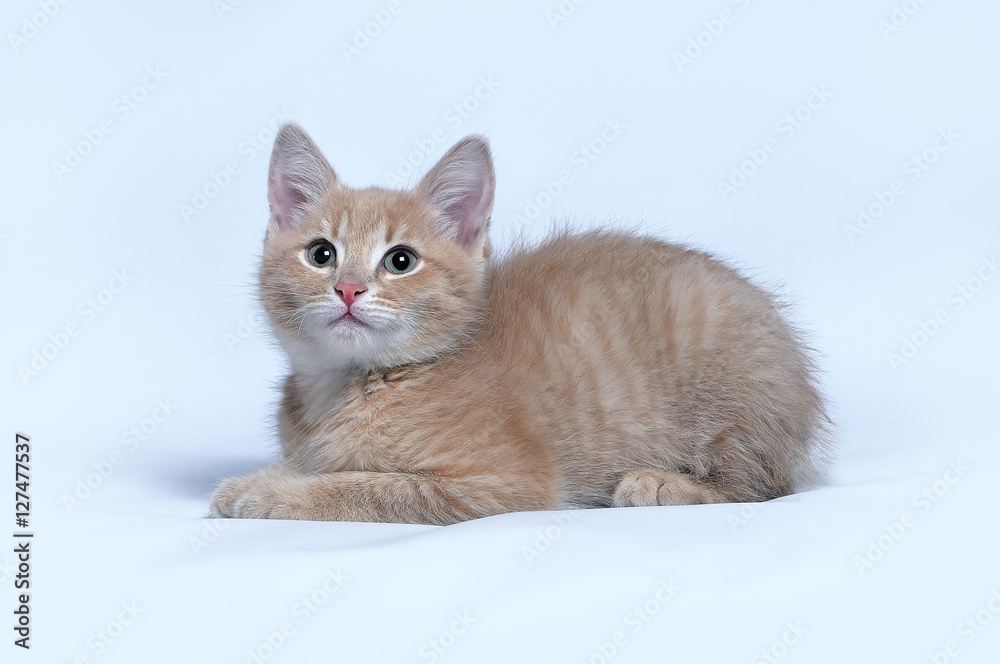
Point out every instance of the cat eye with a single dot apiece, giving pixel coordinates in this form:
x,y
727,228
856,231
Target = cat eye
x,y
321,254
399,260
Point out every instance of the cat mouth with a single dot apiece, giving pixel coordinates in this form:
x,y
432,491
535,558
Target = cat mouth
x,y
347,320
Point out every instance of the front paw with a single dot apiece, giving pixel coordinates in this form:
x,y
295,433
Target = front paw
x,y
228,494
261,495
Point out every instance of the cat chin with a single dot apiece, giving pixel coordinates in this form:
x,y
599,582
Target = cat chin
x,y
339,349
349,327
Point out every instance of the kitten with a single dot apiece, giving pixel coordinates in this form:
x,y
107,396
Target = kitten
x,y
430,384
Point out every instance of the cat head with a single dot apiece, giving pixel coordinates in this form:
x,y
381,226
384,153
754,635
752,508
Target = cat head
x,y
373,277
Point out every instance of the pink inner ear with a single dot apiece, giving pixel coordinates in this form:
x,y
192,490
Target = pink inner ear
x,y
460,186
471,213
299,176
286,199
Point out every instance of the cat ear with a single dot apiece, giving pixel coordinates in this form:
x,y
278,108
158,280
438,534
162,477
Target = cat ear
x,y
461,187
299,176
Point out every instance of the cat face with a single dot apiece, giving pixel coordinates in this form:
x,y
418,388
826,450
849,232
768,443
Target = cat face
x,y
373,277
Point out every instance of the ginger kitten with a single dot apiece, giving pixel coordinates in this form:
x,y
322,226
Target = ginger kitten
x,y
430,384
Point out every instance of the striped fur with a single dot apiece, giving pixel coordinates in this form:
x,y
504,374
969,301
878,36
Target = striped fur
x,y
595,370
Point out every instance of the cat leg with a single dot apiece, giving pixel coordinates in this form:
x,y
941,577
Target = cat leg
x,y
654,486
278,492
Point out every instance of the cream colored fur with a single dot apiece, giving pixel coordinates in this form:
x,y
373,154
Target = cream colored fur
x,y
595,370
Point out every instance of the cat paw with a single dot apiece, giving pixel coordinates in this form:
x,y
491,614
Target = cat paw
x,y
226,495
259,495
653,486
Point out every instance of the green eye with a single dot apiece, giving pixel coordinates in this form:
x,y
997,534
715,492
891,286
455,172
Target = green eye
x,y
321,254
399,260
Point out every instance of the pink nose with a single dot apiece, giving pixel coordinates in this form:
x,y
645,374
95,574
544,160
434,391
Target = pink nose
x,y
349,291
